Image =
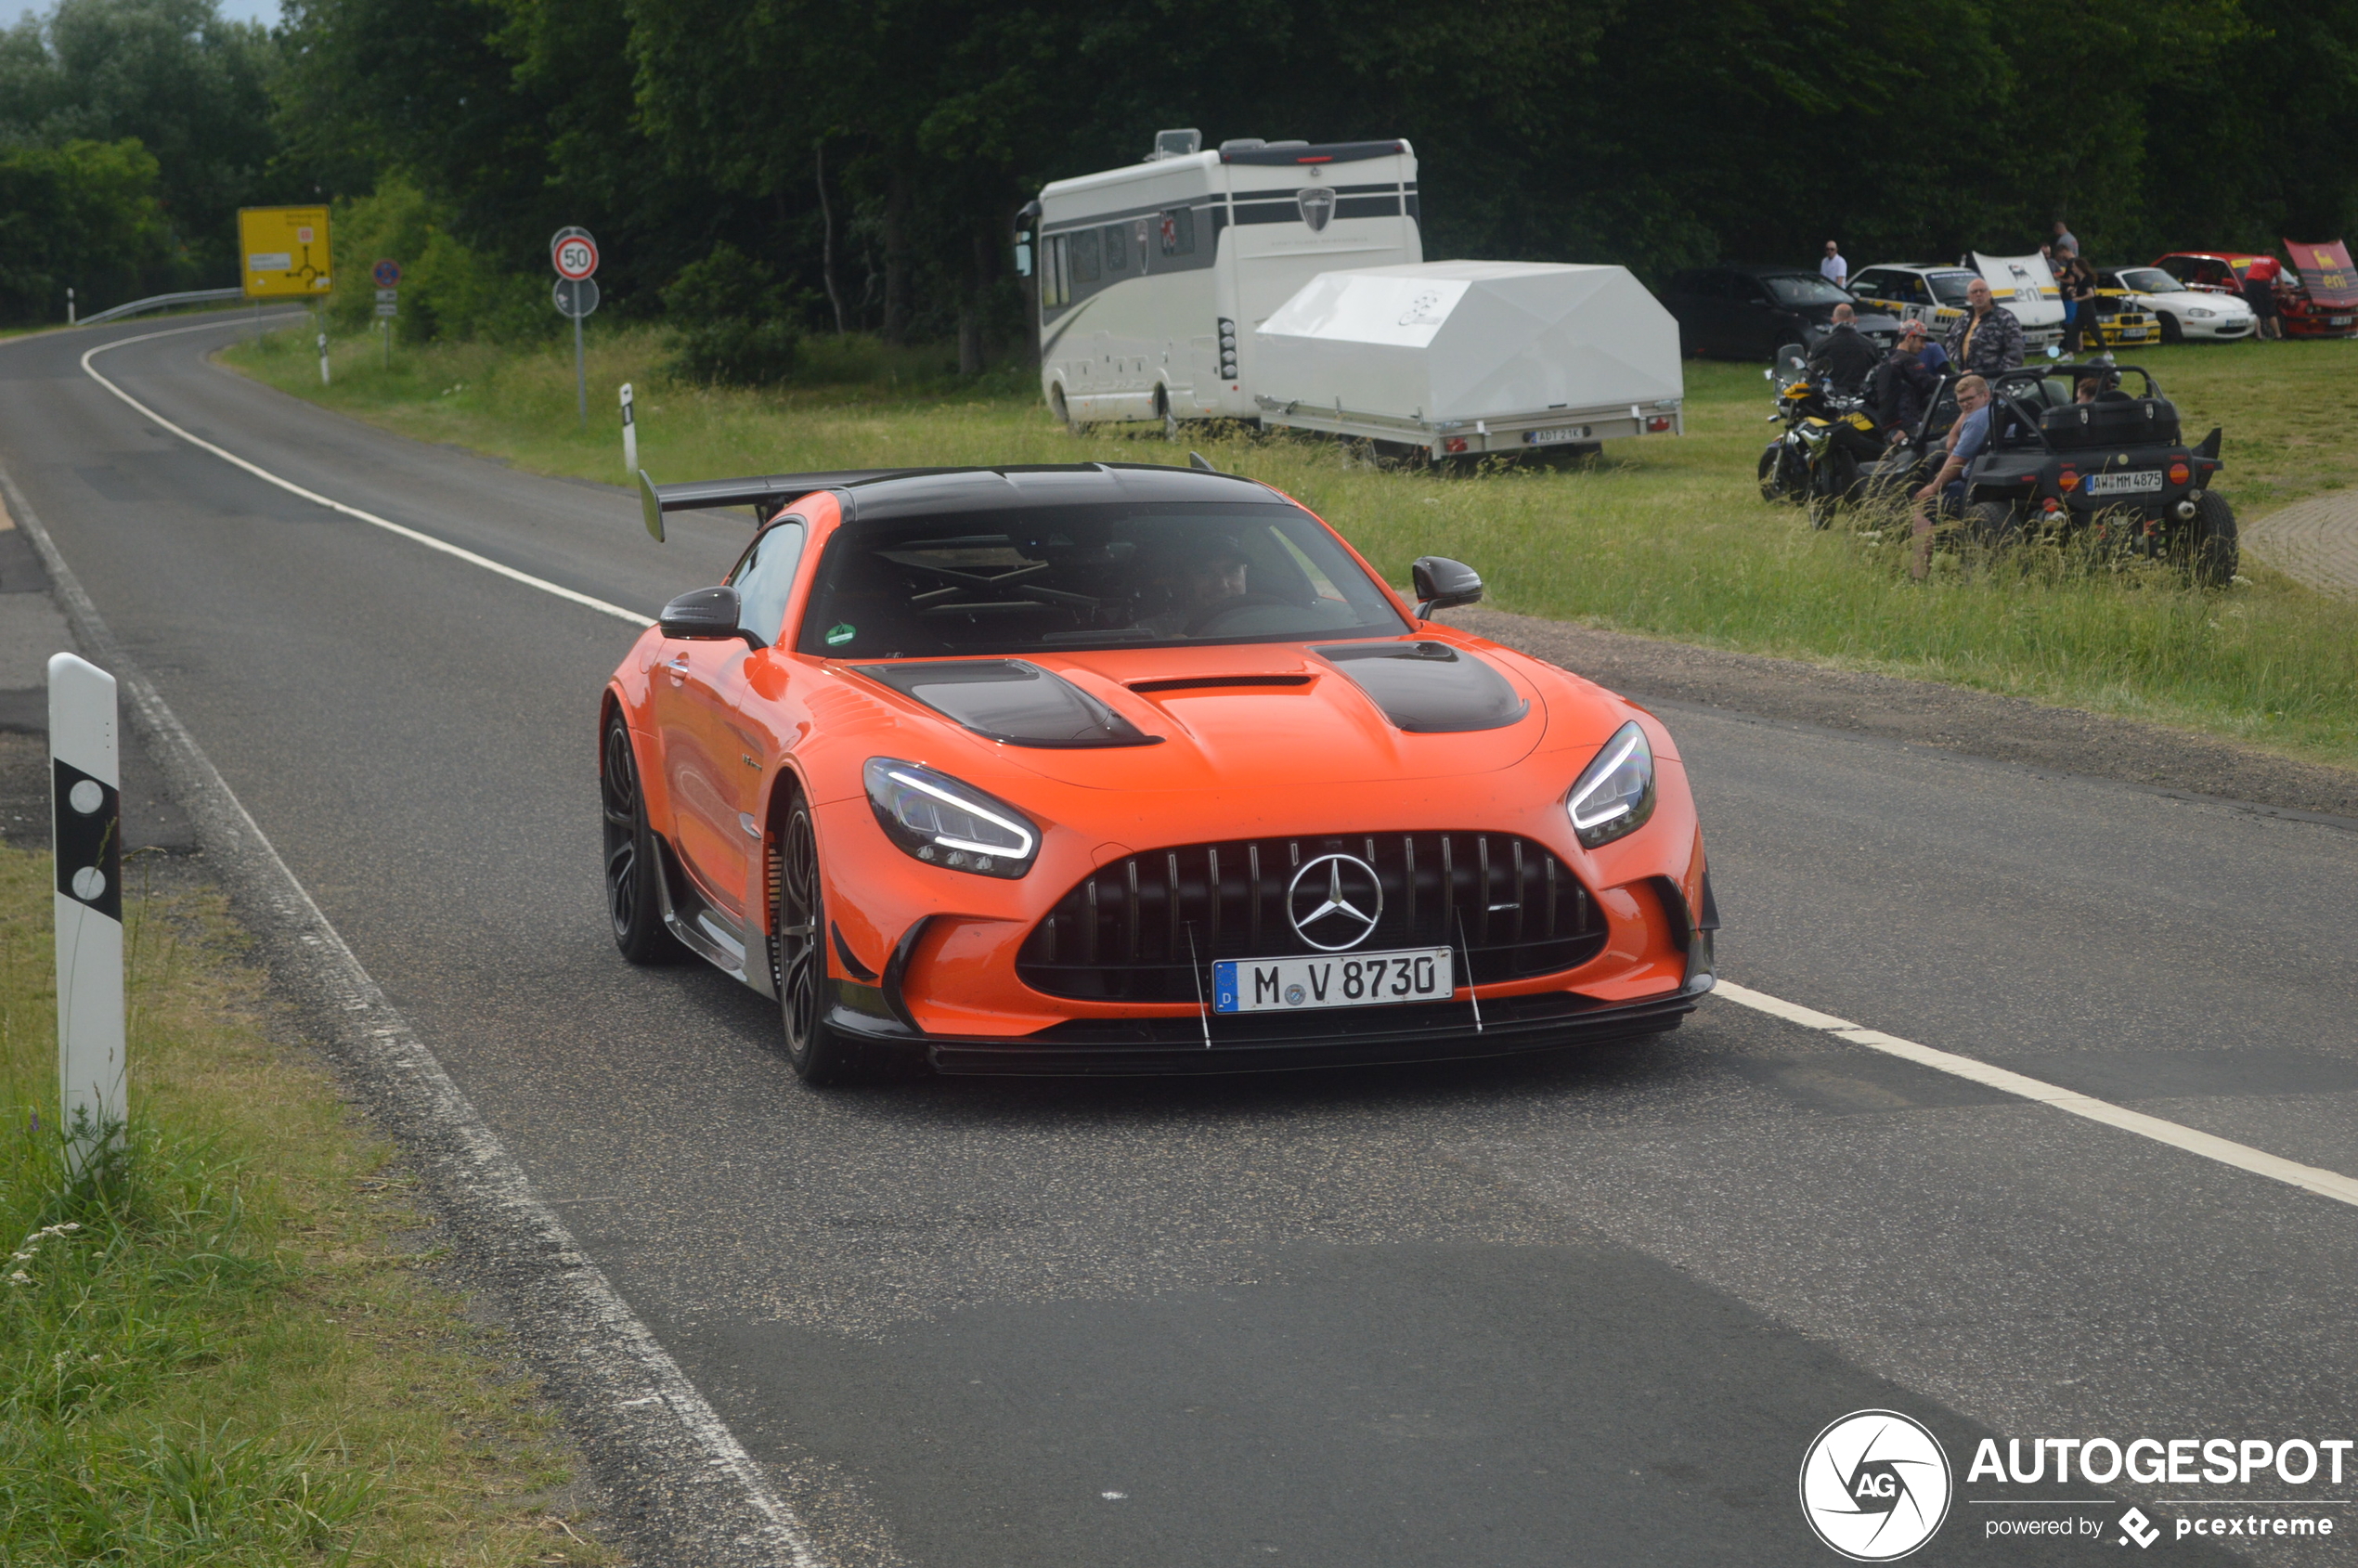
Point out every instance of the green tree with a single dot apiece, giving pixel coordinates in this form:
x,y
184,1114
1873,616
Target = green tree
x,y
83,215
190,86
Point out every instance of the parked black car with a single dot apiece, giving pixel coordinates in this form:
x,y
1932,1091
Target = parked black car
x,y
1750,312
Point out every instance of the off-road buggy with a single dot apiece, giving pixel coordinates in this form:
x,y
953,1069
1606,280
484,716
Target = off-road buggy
x,y
2115,463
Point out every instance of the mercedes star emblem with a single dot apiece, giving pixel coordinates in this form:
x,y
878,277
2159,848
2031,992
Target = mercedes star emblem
x,y
1334,902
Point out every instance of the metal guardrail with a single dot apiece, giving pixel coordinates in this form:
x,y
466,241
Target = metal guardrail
x,y
162,302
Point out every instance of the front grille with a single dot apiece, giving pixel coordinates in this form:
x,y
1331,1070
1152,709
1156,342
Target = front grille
x,y
1148,928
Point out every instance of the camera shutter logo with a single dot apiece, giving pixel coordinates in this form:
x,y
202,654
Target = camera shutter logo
x,y
1317,205
1875,1485
1334,902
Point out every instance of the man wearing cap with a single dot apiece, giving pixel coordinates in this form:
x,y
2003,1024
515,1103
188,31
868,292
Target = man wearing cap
x,y
1988,338
1903,384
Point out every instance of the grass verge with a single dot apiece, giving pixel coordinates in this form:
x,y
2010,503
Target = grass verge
x,y
1666,537
221,1352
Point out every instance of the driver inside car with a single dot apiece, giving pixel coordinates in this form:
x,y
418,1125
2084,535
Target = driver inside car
x,y
1211,573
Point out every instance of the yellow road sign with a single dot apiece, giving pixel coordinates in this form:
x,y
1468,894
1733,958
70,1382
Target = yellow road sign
x,y
285,250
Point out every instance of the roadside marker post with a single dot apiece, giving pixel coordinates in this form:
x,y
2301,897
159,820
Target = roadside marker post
x,y
69,308
629,434
574,256
85,836
323,359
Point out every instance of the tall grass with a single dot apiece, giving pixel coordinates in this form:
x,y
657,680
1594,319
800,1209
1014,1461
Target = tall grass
x,y
1665,536
209,1353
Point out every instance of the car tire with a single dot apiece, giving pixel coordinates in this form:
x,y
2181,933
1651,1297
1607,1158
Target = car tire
x,y
818,1053
1991,523
634,908
2215,554
2170,330
1063,411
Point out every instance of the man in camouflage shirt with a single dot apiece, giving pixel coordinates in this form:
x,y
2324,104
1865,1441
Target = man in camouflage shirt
x,y
1988,338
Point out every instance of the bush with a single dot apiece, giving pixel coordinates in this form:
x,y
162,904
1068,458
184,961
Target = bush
x,y
448,290
733,324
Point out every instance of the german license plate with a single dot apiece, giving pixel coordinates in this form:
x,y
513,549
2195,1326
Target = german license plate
x,y
1560,432
2136,481
2339,321
2134,334
1355,980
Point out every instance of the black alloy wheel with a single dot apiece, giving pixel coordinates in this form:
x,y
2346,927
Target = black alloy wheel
x,y
798,956
631,866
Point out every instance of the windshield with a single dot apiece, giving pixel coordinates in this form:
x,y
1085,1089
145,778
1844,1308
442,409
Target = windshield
x,y
2148,280
1063,579
1794,288
1949,288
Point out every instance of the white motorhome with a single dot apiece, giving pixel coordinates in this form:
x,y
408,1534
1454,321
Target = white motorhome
x,y
1153,279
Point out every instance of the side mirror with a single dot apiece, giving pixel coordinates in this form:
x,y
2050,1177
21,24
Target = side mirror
x,y
706,614
1441,582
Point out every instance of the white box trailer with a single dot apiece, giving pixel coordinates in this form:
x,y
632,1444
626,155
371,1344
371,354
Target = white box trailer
x,y
1464,357
2026,285
1153,279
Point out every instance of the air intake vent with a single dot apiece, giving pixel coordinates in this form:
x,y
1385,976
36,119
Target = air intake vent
x,y
1510,907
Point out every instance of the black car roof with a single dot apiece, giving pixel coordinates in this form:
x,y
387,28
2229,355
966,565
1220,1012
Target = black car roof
x,y
914,493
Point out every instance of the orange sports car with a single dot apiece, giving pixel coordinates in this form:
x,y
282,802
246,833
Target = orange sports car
x,y
1121,768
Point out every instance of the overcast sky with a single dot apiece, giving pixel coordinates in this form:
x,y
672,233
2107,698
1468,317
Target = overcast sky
x,y
239,10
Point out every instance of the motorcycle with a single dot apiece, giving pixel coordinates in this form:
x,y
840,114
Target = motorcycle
x,y
1828,436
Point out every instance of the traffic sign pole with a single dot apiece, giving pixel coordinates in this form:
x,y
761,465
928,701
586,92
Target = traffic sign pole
x,y
574,256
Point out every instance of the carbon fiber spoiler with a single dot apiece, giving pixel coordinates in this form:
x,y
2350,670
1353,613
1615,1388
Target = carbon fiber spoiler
x,y
764,493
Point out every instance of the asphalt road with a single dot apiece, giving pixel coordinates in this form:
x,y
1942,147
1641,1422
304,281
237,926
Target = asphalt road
x,y
1589,1310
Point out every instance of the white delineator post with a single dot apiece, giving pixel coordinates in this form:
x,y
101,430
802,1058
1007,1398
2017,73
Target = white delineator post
x,y
629,434
323,359
85,816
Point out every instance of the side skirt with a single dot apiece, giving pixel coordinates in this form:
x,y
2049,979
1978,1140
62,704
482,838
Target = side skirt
x,y
705,931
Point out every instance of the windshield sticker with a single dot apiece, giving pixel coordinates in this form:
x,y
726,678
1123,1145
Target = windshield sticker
x,y
841,633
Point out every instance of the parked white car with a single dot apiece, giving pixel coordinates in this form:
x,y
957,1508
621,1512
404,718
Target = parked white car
x,y
2183,312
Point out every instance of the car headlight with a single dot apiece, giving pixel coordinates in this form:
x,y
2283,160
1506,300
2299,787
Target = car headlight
x,y
943,822
1615,794
2199,314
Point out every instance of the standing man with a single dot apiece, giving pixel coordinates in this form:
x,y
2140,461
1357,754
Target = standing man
x,y
2064,239
2259,293
1833,269
1986,339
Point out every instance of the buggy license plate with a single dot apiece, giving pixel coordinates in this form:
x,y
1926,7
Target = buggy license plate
x,y
2137,482
1558,432
1356,980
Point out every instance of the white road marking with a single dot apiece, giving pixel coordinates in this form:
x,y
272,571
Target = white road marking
x,y
469,556
2309,1178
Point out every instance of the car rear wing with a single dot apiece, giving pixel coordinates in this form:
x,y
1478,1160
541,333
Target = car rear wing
x,y
767,494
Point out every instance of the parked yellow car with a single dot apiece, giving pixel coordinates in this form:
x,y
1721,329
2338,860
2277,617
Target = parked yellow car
x,y
2119,321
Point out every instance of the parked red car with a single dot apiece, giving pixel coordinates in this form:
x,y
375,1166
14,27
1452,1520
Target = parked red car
x,y
2307,311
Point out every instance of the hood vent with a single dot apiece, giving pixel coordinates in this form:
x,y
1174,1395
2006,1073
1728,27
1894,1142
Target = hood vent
x,y
1012,702
1428,688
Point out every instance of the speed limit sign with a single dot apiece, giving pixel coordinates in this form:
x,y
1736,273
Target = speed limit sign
x,y
574,254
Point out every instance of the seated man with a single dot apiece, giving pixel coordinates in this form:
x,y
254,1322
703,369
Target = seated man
x,y
1903,384
1967,438
1844,355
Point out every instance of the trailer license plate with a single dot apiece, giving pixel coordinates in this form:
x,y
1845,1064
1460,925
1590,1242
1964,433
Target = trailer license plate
x,y
2137,482
1359,979
1560,432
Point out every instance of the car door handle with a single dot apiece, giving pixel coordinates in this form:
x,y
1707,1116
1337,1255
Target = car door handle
x,y
678,665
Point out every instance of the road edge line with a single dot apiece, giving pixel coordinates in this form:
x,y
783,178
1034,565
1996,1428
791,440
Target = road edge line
x,y
414,535
622,1381
2191,1140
